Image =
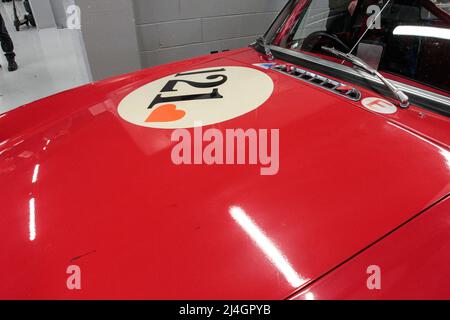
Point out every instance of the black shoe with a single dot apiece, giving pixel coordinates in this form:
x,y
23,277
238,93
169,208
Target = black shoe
x,y
12,65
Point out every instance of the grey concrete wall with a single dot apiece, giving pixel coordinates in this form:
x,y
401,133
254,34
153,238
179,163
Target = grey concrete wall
x,y
109,33
122,36
170,30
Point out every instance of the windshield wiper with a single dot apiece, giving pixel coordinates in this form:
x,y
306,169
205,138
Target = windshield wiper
x,y
357,62
261,41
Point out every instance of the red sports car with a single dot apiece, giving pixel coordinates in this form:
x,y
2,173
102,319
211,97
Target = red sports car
x,y
314,164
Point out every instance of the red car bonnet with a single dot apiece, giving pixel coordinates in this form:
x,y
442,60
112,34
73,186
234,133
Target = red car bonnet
x,y
108,198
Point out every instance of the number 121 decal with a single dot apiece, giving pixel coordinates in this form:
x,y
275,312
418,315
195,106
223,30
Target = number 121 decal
x,y
171,84
207,96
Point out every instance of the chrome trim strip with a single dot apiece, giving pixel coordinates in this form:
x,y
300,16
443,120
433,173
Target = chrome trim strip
x,y
402,86
314,76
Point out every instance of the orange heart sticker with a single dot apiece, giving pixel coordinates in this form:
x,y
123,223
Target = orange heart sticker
x,y
166,113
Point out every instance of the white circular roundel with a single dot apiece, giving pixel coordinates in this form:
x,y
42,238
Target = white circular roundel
x,y
379,105
197,98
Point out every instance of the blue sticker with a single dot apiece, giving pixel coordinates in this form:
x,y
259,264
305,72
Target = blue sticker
x,y
265,65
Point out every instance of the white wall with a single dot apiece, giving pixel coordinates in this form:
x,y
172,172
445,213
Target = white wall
x,y
43,14
109,34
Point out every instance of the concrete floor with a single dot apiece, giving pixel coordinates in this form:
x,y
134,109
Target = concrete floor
x,y
50,61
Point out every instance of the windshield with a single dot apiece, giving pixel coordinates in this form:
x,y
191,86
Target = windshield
x,y
407,40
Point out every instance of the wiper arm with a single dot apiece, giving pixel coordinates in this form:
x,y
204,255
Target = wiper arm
x,y
357,62
261,41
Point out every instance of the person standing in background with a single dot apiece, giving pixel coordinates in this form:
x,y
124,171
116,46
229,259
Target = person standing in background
x,y
7,46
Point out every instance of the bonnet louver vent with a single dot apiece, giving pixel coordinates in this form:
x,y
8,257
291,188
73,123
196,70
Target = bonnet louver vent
x,y
320,81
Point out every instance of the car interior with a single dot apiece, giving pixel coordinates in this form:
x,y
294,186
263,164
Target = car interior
x,y
343,25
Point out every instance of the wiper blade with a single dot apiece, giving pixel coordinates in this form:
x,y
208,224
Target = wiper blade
x,y
359,63
261,41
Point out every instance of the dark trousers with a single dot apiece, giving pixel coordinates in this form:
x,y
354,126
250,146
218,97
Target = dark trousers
x,y
5,40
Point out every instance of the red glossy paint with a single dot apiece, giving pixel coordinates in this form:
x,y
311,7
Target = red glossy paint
x,y
413,261
108,198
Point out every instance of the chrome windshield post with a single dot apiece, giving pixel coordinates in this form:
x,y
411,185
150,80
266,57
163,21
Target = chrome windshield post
x,y
261,41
